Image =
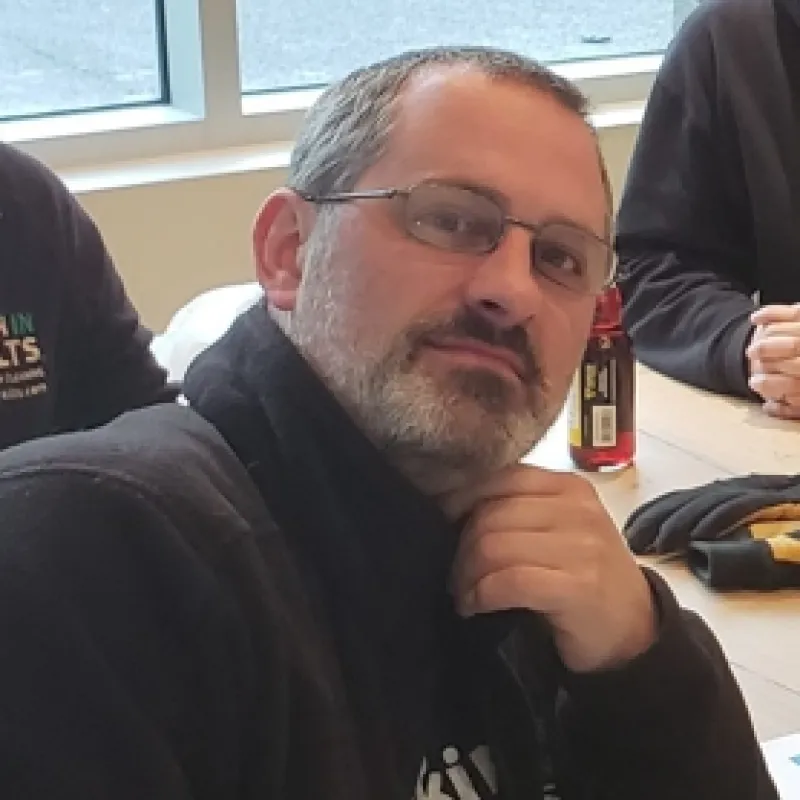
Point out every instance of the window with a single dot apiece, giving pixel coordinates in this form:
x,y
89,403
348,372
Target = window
x,y
310,42
67,55
168,79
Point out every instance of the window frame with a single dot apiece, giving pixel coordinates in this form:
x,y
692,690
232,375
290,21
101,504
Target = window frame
x,y
206,112
163,97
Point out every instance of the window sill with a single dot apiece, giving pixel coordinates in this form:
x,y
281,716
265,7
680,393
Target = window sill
x,y
223,134
254,158
178,168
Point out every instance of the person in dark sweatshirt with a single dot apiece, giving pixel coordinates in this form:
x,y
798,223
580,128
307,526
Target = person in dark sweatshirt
x,y
73,353
326,574
708,235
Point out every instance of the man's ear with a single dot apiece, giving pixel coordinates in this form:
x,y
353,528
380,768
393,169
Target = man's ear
x,y
279,232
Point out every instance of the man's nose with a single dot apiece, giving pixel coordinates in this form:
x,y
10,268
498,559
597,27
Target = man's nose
x,y
504,288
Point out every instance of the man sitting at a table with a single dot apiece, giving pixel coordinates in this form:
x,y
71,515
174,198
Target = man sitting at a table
x,y
710,217
329,577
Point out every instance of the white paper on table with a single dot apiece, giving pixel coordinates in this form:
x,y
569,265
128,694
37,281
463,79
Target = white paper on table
x,y
783,760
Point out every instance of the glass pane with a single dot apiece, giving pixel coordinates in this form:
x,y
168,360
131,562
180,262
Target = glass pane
x,y
311,42
64,55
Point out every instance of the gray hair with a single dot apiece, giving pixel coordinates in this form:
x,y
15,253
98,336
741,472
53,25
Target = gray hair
x,y
346,131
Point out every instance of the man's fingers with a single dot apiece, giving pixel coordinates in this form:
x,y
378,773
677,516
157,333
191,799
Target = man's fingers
x,y
776,313
518,480
489,552
521,586
777,387
765,368
774,348
789,367
786,367
528,512
780,410
772,329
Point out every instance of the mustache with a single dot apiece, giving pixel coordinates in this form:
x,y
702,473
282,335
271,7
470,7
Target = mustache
x,y
469,324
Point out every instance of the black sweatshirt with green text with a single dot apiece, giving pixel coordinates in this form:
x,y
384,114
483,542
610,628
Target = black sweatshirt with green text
x,y
73,352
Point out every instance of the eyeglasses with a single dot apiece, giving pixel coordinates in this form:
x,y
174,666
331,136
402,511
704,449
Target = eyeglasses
x,y
465,220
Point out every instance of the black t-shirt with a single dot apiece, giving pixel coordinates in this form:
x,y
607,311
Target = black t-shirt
x,y
73,353
458,763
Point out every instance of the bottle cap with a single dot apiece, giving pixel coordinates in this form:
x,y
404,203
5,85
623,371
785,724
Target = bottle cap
x,y
608,308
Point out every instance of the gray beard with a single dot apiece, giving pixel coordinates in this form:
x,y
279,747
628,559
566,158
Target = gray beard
x,y
440,435
442,432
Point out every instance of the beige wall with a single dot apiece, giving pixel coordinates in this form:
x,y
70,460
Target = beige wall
x,y
171,240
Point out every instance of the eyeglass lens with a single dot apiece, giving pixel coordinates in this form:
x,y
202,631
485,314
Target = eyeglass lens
x,y
462,220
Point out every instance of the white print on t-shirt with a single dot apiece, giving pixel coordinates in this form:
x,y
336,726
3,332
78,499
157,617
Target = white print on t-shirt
x,y
470,778
473,778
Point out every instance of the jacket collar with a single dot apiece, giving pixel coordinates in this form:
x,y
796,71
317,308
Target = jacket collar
x,y
380,548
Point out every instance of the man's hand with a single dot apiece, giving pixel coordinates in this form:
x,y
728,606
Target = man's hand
x,y
774,358
543,541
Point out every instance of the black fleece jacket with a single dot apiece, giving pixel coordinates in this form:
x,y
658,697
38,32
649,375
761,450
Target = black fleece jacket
x,y
242,600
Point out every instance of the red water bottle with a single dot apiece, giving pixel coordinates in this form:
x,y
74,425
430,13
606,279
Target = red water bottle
x,y
602,432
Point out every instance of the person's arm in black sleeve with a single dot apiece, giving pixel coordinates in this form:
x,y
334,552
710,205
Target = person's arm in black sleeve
x,y
685,245
670,725
104,366
124,667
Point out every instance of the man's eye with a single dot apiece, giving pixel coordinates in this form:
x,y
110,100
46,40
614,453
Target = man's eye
x,y
450,221
558,258
462,229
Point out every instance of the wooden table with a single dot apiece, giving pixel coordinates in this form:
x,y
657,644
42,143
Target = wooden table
x,y
687,437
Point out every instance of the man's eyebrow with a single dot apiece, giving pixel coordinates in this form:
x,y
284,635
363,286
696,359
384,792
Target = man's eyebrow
x,y
562,219
490,192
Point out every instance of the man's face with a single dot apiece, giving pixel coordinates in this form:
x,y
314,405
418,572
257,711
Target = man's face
x,y
454,363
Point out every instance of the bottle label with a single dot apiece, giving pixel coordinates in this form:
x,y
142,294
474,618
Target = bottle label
x,y
602,393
